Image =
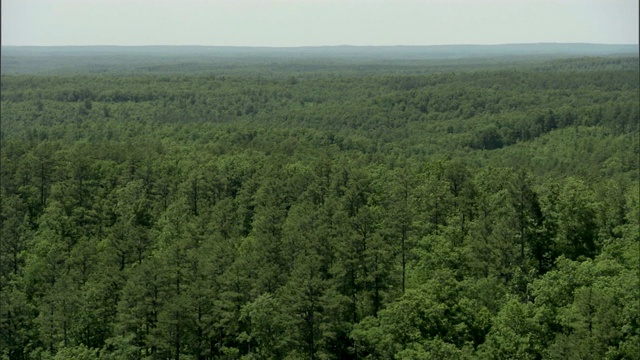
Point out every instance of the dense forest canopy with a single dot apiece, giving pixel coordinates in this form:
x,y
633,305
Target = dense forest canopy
x,y
478,202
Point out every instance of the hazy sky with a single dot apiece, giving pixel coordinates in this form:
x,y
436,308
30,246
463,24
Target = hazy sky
x,y
316,22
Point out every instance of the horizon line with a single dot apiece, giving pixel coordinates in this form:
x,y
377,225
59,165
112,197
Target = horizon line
x,y
325,46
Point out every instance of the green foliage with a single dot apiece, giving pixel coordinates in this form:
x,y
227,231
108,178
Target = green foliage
x,y
330,213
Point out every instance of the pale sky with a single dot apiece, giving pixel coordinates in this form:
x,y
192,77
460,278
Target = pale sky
x,y
317,22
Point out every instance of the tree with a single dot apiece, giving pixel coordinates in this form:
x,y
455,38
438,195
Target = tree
x,y
577,232
400,215
514,333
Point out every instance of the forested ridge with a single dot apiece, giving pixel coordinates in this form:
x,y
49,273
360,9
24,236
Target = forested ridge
x,y
354,212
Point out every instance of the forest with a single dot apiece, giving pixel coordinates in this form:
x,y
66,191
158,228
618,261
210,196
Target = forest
x,y
305,208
